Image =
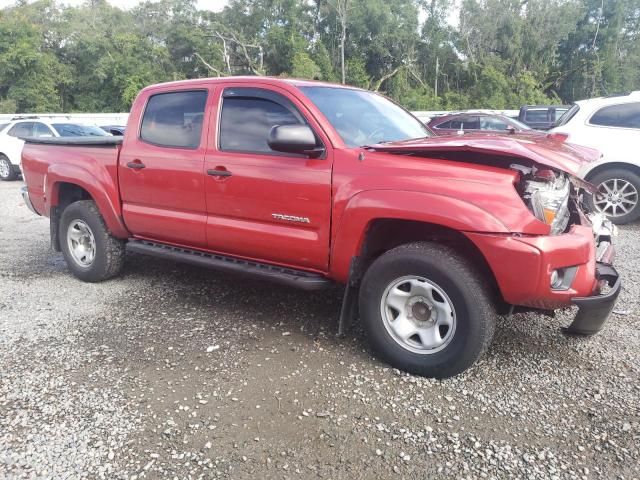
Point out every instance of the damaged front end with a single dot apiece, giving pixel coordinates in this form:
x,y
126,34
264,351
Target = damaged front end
x,y
594,310
555,198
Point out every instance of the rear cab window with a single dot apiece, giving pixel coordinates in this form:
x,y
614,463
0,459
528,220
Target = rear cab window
x,y
626,115
174,119
537,115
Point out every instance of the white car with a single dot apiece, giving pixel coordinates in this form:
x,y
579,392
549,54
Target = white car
x,y
612,126
12,133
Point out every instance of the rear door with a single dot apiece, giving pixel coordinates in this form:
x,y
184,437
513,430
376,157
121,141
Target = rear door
x,y
614,130
161,168
263,204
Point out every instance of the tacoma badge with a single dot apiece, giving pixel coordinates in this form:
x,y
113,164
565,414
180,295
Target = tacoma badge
x,y
290,218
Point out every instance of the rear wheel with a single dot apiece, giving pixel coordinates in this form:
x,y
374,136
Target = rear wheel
x,y
7,171
91,252
426,310
618,195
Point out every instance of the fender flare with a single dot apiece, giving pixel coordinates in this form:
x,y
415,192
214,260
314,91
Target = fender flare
x,y
100,186
365,207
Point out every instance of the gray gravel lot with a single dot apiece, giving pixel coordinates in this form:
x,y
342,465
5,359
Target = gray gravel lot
x,y
176,372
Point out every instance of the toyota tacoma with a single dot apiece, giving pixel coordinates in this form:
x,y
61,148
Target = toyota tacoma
x,y
312,184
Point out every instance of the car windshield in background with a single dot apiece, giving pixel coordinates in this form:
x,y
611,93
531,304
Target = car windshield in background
x,y
364,118
76,130
519,124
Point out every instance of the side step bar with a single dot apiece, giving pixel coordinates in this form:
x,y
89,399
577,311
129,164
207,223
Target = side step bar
x,y
287,276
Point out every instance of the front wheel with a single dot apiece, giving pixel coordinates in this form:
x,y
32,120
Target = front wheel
x,y
91,252
618,195
7,172
426,310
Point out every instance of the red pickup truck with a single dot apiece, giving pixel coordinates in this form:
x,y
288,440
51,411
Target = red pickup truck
x,y
312,184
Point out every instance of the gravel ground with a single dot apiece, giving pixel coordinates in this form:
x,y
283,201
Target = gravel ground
x,y
176,372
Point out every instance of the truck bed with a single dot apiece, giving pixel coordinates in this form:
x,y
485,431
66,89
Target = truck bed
x,y
76,141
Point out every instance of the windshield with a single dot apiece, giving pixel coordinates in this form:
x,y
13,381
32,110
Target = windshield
x,y
519,124
364,118
76,130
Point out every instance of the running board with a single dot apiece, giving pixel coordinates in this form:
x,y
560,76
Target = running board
x,y
287,276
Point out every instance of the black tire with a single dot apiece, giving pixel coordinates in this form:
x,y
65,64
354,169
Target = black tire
x,y
617,173
109,251
12,175
466,289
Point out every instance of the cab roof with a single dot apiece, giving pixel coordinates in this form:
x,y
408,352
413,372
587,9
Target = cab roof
x,y
286,82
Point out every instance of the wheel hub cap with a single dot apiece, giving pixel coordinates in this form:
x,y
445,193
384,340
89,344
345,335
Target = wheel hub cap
x,y
616,197
418,315
81,242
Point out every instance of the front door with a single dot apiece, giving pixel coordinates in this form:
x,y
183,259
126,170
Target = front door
x,y
263,204
161,169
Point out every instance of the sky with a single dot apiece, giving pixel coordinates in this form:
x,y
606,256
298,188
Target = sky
x,y
214,5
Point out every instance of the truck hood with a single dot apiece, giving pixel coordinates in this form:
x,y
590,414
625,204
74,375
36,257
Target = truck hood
x,y
544,150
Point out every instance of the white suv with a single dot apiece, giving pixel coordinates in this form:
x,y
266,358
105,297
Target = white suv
x,y
612,126
12,133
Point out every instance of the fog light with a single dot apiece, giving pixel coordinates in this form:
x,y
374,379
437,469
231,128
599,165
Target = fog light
x,y
556,279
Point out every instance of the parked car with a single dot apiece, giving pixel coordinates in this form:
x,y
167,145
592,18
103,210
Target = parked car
x,y
117,130
11,139
312,184
466,122
541,117
612,125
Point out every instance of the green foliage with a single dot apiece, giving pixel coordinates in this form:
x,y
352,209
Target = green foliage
x,y
303,66
499,54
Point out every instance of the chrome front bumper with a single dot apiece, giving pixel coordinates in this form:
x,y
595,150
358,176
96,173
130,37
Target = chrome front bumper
x,y
27,200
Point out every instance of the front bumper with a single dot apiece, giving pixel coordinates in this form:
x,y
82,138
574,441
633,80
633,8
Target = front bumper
x,y
524,269
594,311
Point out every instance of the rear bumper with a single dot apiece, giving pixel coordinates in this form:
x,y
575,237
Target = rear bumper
x,y
594,311
25,196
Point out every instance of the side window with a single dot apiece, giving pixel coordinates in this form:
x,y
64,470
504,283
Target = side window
x,y
444,125
174,119
41,130
466,123
22,129
489,123
2,125
626,115
247,118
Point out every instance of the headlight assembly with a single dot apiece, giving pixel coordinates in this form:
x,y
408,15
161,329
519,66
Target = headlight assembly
x,y
548,199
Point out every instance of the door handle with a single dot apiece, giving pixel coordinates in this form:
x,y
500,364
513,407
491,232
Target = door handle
x,y
219,172
136,164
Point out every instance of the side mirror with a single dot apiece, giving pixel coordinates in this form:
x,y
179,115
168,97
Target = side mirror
x,y
294,139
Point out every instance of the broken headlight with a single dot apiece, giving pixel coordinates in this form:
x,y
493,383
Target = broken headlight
x,y
547,194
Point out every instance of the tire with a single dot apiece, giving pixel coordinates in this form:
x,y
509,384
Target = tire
x,y
7,172
452,281
618,181
82,227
